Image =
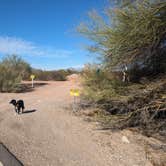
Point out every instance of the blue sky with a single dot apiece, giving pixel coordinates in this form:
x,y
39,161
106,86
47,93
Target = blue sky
x,y
43,31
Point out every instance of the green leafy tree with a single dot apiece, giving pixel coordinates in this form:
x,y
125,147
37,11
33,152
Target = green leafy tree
x,y
132,33
13,69
18,65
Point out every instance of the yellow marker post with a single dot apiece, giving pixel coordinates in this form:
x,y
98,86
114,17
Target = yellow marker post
x,y
75,93
32,77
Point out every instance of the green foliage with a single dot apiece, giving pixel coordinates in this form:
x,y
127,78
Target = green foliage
x,y
133,32
100,87
55,75
12,69
133,35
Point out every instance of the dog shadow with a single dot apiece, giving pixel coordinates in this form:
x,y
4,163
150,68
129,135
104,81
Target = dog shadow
x,y
28,111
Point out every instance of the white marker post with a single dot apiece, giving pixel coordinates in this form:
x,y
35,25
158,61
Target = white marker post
x,y
75,93
32,78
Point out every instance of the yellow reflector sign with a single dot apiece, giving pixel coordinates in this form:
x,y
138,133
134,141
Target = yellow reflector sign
x,y
74,92
32,76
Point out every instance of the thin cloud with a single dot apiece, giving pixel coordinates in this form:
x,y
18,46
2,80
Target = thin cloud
x,y
12,45
78,66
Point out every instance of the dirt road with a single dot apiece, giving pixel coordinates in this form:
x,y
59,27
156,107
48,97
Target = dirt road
x,y
53,136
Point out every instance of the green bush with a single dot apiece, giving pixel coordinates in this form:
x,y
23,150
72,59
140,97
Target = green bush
x,y
99,85
13,69
133,33
54,75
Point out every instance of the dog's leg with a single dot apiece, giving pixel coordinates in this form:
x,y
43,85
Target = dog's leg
x,y
22,109
18,110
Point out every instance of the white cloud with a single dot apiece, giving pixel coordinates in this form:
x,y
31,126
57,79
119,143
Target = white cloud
x,y
12,45
78,66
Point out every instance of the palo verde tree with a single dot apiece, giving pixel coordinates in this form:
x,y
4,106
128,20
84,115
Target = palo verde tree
x,y
132,33
13,69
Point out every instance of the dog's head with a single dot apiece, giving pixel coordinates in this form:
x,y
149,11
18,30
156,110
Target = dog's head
x,y
13,102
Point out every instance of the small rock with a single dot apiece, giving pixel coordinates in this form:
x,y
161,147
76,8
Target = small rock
x,y
125,139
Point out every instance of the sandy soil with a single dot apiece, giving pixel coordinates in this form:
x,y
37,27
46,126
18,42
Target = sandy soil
x,y
53,136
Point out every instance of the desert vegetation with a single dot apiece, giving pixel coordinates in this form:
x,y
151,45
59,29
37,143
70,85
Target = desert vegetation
x,y
14,69
127,89
54,75
129,84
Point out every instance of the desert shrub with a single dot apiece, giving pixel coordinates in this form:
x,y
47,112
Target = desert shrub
x,y
130,38
99,85
133,33
8,79
54,75
13,69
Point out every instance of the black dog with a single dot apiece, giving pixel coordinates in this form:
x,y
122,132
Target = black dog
x,y
19,105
